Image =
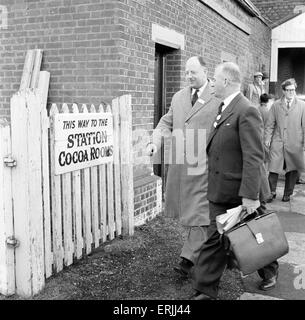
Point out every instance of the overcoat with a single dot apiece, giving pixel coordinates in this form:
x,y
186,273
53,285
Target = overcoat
x,y
186,184
285,132
254,92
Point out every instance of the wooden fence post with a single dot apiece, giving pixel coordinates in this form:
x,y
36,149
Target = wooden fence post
x,y
7,254
43,85
56,201
126,158
27,193
117,167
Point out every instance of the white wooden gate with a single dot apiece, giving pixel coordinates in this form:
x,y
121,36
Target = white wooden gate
x,y
48,221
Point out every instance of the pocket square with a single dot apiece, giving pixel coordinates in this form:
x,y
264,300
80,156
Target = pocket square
x,y
227,124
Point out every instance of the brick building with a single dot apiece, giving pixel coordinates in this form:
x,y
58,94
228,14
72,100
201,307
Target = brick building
x,y
287,20
96,50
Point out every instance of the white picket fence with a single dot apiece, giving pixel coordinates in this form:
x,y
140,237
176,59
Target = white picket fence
x,y
48,221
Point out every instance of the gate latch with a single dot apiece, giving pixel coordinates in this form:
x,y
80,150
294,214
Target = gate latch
x,y
10,162
12,242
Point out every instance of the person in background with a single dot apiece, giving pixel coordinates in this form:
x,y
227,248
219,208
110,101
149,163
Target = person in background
x,y
284,137
263,107
255,89
192,109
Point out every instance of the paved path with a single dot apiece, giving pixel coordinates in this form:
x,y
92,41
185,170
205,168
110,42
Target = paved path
x,y
291,281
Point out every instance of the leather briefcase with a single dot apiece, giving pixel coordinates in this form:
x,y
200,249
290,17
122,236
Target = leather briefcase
x,y
256,242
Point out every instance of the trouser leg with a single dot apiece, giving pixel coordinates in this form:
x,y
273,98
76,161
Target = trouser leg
x,y
212,259
290,181
273,177
193,238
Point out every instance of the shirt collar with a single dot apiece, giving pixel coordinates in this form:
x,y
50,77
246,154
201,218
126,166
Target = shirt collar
x,y
229,99
290,102
200,89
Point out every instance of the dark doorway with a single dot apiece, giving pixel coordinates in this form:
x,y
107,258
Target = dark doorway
x,y
159,101
167,78
291,64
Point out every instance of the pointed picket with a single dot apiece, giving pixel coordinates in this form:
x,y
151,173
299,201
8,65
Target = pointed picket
x,y
117,169
67,211
56,201
94,199
43,85
33,102
110,198
102,195
77,206
86,202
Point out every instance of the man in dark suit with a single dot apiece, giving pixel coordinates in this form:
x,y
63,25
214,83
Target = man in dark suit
x,y
235,161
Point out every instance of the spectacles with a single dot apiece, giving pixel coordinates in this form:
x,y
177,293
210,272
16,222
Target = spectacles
x,y
289,90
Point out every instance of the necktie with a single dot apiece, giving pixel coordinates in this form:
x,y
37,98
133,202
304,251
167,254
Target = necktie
x,y
288,105
195,96
218,117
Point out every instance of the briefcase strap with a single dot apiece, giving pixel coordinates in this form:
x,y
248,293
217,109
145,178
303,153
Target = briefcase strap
x,y
254,228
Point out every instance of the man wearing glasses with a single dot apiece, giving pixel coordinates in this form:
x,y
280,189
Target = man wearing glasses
x,y
284,136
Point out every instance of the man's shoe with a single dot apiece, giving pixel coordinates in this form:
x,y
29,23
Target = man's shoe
x,y
268,284
273,196
181,271
286,198
201,296
184,267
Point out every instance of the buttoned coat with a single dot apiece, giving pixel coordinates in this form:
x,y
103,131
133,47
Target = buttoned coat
x,y
186,184
236,154
285,131
254,92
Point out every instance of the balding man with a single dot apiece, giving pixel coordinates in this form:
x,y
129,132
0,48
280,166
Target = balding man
x,y
235,156
188,120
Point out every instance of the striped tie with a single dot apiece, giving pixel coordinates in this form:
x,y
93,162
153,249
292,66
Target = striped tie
x,y
218,117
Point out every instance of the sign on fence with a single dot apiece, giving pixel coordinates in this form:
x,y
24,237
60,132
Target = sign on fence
x,y
82,140
70,190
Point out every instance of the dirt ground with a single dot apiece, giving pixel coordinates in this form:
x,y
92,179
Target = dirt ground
x,y
138,268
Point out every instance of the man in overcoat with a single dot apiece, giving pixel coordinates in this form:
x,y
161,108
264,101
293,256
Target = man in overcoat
x,y
284,135
256,89
188,122
235,156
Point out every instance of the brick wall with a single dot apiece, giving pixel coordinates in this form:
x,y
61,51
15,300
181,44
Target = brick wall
x,y
99,49
206,33
80,43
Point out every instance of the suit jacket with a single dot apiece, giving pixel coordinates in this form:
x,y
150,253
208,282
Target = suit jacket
x,y
186,184
236,154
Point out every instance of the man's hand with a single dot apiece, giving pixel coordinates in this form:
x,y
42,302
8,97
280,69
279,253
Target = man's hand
x,y
250,205
267,144
151,149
